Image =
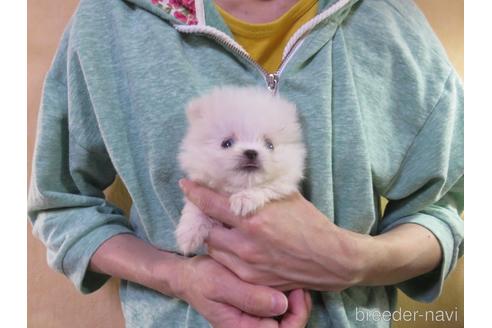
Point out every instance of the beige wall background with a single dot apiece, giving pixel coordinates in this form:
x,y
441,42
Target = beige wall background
x,y
52,300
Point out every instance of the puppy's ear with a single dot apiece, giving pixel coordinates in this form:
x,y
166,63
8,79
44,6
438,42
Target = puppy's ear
x,y
194,110
292,110
289,110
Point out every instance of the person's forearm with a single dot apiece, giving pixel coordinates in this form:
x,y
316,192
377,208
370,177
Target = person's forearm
x,y
199,281
405,252
128,257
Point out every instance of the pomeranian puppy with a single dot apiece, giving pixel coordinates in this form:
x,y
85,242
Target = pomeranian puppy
x,y
243,142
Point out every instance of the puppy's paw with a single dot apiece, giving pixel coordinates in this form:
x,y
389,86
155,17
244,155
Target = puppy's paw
x,y
244,203
191,234
189,244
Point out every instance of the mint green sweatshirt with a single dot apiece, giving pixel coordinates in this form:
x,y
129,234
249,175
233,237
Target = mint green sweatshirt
x,y
380,105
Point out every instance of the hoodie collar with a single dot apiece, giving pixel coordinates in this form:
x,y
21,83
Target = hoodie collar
x,y
203,12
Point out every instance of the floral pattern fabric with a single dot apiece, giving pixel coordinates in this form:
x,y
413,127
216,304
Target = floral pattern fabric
x,y
182,10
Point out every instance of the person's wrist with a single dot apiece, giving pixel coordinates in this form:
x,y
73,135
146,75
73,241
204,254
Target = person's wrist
x,y
371,258
166,274
362,254
399,254
179,281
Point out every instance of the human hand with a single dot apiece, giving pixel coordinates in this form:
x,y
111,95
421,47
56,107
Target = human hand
x,y
287,244
226,301
207,285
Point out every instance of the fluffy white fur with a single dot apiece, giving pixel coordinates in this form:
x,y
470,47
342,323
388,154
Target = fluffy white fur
x,y
223,125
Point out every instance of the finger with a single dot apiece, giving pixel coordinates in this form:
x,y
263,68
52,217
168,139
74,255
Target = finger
x,y
225,239
228,260
232,317
256,300
247,321
297,302
211,203
298,312
309,301
245,271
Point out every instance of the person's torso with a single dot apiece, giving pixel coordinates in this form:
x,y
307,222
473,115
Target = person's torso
x,y
141,72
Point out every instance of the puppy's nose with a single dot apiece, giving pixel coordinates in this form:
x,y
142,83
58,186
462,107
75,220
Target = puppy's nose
x,y
251,154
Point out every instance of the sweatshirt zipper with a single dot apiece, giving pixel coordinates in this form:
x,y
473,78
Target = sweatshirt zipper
x,y
271,79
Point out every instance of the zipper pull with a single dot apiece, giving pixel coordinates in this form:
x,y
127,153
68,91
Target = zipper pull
x,y
272,82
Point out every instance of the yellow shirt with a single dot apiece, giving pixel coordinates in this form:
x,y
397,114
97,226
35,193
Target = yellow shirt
x,y
266,42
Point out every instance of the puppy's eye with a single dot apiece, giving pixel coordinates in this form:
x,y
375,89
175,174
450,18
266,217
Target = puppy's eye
x,y
227,143
269,144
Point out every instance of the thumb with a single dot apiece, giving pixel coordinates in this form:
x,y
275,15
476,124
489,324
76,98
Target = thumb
x,y
299,309
256,300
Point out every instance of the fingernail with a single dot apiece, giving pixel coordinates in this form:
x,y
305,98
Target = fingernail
x,y
279,304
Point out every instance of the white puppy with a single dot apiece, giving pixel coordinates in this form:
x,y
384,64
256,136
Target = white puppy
x,y
243,142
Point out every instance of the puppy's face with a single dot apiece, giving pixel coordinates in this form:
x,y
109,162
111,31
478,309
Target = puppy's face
x,y
241,137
